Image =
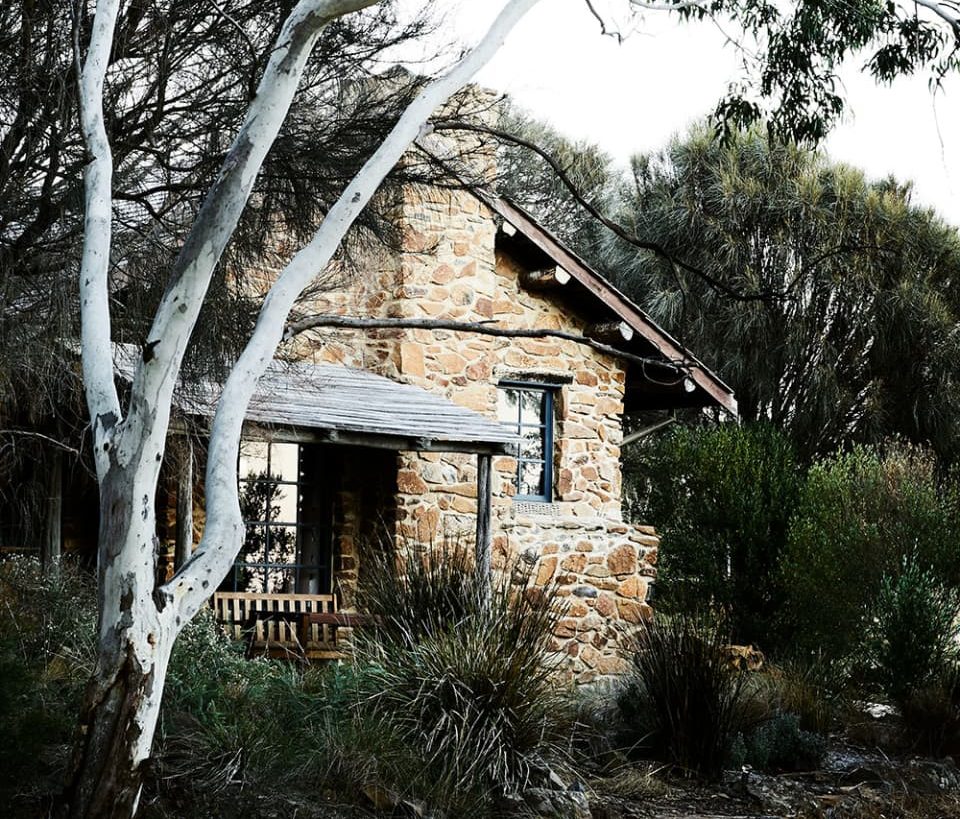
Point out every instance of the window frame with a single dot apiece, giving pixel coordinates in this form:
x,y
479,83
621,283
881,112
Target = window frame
x,y
548,391
303,526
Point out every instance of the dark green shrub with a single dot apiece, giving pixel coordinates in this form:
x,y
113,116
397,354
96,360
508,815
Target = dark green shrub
x,y
47,629
779,744
721,499
859,514
682,700
912,631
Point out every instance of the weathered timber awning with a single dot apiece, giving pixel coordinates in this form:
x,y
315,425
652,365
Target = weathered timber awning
x,y
332,403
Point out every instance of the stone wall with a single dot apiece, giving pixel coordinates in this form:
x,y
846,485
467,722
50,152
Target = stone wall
x,y
451,268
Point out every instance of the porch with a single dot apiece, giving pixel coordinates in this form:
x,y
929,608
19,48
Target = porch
x,y
318,472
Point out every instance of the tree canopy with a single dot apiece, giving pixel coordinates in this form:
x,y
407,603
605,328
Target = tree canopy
x,y
845,325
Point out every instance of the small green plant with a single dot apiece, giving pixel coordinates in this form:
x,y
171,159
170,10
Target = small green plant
x,y
682,700
779,744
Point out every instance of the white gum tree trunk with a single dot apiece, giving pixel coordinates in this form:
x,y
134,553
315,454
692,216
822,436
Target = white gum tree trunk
x,y
140,617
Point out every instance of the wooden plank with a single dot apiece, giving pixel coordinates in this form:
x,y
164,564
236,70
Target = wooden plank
x,y
183,546
484,505
53,534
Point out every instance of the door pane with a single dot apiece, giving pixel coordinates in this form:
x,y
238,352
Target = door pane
x,y
253,459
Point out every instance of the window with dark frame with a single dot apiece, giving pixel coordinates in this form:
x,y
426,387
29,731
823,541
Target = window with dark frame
x,y
287,509
528,409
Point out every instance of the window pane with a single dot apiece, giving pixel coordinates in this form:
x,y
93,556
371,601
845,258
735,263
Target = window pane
x,y
249,578
255,498
254,545
284,462
507,406
531,479
531,411
531,446
284,503
253,459
281,580
283,544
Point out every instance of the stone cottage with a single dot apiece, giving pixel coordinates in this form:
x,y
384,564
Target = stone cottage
x,y
485,313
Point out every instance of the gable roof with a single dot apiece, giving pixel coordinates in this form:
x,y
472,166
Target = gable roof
x,y
708,389
347,405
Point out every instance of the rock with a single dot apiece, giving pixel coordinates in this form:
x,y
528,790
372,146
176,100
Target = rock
x,y
557,804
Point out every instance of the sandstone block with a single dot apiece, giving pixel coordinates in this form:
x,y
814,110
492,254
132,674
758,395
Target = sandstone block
x,y
622,560
546,571
606,605
410,482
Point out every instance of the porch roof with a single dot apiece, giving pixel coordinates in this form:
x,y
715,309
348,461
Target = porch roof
x,y
327,402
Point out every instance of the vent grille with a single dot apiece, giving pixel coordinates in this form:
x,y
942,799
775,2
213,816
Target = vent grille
x,y
551,510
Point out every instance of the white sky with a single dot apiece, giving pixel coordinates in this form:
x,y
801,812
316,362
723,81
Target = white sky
x,y
633,97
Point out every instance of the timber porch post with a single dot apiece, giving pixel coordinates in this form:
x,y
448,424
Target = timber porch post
x,y
484,503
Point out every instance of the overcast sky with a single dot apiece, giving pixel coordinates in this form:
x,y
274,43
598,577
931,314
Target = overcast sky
x,y
633,96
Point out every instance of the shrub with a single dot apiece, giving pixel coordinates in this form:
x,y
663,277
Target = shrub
x,y
419,590
811,688
779,744
721,498
931,713
47,628
858,515
468,687
912,631
682,700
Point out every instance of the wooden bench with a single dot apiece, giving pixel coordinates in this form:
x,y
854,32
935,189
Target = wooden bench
x,y
282,624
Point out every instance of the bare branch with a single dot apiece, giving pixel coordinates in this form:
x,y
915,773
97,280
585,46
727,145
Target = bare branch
x,y
481,328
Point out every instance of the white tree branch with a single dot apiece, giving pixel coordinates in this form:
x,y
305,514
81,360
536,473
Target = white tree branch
x,y
949,12
223,531
680,4
96,352
145,428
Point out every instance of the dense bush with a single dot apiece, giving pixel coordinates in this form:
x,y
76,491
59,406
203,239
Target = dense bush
x,y
47,627
779,744
720,498
464,676
682,699
912,631
859,514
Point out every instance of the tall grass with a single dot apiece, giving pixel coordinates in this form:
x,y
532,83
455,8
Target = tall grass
x,y
464,674
682,700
